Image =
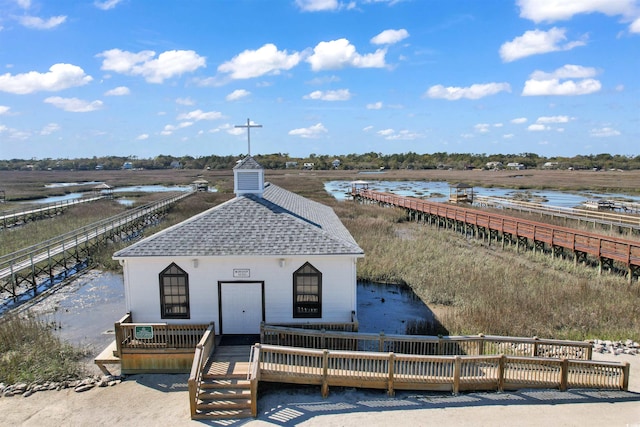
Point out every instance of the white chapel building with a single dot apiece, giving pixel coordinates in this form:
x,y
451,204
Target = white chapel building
x,y
267,255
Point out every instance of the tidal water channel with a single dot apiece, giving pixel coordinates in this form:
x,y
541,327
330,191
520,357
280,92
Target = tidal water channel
x,y
83,312
438,191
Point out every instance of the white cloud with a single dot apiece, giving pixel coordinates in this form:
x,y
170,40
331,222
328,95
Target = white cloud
x,y
118,91
405,135
482,127
566,72
554,119
169,129
59,77
155,70
390,36
142,137
508,136
317,5
106,4
4,109
367,128
542,83
537,127
554,10
50,128
341,53
198,115
324,80
25,4
255,63
519,120
374,106
74,105
604,132
314,131
37,23
237,94
475,91
635,26
536,42
330,95
185,101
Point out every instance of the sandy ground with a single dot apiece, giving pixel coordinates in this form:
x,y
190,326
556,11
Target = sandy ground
x,y
163,400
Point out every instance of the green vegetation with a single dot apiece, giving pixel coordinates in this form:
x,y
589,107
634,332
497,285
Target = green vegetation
x,y
31,352
370,160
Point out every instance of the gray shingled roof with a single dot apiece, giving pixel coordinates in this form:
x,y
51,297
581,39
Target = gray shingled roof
x,y
281,223
248,163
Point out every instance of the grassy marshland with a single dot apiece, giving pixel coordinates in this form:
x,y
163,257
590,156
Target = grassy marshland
x,y
31,352
475,288
472,288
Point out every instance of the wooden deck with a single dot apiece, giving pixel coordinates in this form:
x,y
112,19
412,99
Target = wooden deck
x,y
108,357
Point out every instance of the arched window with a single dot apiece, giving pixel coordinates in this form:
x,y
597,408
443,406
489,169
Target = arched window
x,y
307,292
174,293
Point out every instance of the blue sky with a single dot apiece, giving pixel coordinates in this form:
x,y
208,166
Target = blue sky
x,y
142,77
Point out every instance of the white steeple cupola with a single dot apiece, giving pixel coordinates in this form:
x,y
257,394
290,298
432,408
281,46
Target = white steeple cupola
x,y
248,177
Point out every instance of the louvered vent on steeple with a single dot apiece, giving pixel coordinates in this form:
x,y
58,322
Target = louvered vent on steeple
x,y
248,177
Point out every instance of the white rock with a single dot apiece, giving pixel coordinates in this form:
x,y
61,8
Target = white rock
x,y
84,387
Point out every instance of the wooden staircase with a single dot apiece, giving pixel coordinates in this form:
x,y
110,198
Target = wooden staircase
x,y
224,392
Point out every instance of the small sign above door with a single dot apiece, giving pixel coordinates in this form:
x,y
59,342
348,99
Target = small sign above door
x,y
241,273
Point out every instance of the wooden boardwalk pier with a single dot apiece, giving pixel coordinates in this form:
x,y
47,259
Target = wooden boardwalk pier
x,y
21,216
23,273
604,251
606,219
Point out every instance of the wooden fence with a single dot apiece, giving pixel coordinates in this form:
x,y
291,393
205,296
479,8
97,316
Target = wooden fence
x,y
425,345
393,371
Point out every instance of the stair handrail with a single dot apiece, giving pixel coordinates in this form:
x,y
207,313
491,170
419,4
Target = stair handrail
x,y
253,376
201,355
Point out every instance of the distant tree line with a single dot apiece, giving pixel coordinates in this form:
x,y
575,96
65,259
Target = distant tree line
x,y
364,161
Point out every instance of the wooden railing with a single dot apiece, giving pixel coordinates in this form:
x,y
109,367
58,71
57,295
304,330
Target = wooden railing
x,y
164,336
254,378
425,345
351,326
393,371
602,217
204,348
599,246
40,260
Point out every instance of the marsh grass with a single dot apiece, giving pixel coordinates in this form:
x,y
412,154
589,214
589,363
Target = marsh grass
x,y
490,290
30,351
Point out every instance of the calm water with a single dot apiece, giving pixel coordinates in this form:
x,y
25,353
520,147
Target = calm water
x,y
131,189
85,310
438,191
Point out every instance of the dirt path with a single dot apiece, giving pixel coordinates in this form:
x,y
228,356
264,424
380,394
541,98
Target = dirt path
x,y
163,400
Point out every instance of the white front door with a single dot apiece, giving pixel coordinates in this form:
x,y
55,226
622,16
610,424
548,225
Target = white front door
x,y
241,307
